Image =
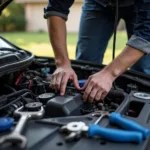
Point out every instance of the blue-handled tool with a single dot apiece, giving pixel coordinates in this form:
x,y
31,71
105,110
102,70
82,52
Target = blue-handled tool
x,y
114,134
77,128
6,123
116,118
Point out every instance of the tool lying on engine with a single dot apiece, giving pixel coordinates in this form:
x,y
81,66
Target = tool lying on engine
x,y
6,123
136,134
15,137
117,119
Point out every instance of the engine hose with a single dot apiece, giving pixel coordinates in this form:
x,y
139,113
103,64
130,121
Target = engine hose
x,y
19,98
10,88
17,93
115,29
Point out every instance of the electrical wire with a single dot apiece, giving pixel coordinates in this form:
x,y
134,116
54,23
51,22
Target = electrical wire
x,y
115,32
115,29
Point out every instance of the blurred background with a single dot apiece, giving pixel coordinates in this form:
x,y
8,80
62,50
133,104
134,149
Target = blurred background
x,y
23,24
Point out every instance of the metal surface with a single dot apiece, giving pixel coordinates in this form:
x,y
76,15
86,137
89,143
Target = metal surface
x,y
142,95
33,106
46,96
15,137
75,126
77,129
51,122
102,114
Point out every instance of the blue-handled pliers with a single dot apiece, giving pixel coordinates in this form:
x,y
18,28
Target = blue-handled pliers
x,y
136,133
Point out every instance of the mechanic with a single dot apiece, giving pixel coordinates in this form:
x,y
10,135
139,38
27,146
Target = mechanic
x,y
92,41
99,84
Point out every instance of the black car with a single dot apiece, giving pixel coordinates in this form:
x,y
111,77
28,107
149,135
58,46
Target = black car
x,y
35,117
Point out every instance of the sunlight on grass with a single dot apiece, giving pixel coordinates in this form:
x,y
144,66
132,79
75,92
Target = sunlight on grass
x,y
38,43
20,41
43,49
46,50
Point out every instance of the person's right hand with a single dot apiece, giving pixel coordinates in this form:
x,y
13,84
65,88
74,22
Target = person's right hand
x,y
60,78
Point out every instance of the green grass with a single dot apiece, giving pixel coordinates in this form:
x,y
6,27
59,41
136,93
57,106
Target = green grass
x,y
38,43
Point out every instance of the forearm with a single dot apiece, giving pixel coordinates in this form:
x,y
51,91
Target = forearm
x,y
125,60
57,35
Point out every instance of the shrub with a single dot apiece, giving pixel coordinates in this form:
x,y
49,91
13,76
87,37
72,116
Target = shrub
x,y
13,18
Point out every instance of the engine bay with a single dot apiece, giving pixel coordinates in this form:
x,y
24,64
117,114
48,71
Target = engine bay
x,y
30,89
21,88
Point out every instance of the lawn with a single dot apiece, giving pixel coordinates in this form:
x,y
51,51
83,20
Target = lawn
x,y
38,43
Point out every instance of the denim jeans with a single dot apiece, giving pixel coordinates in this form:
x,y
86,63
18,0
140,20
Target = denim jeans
x,y
96,28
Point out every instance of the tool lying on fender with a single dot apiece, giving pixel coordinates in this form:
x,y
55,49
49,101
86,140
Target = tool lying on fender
x,y
15,137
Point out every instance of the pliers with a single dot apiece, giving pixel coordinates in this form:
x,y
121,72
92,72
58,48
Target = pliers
x,y
136,133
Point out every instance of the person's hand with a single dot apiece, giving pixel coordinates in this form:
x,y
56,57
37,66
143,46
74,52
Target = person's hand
x,y
60,78
97,86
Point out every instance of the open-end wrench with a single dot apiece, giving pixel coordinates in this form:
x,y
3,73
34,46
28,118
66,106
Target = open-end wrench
x,y
100,114
15,137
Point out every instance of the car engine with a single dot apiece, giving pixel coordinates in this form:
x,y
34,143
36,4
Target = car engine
x,y
30,85
30,88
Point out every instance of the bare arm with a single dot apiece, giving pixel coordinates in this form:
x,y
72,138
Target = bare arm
x,y
99,84
63,72
126,59
57,35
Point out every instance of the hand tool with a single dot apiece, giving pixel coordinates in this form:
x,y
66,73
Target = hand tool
x,y
117,119
51,122
76,129
15,137
6,123
134,135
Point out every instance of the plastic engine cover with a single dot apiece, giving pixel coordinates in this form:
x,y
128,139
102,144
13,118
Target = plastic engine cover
x,y
64,105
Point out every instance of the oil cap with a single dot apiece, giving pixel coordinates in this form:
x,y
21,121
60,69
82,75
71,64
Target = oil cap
x,y
6,123
45,97
142,95
34,106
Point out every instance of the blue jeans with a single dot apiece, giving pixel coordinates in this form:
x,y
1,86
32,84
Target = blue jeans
x,y
96,28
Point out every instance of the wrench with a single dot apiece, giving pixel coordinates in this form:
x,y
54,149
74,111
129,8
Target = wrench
x,y
15,137
101,115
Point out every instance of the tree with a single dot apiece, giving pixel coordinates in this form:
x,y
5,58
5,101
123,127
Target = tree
x,y
13,18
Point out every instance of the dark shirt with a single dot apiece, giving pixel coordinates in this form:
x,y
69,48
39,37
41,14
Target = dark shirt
x,y
61,7
121,3
141,38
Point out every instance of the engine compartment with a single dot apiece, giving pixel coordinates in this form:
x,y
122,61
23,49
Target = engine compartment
x,y
33,85
128,96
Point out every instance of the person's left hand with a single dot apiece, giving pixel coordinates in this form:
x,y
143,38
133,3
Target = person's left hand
x,y
97,86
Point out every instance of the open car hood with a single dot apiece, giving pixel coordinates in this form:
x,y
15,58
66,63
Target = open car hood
x,y
13,58
3,4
